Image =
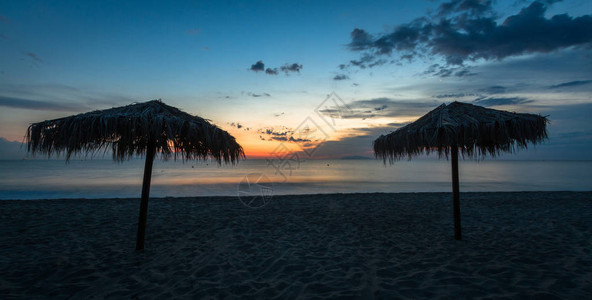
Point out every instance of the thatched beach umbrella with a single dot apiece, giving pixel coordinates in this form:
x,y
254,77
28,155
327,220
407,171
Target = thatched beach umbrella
x,y
475,131
144,128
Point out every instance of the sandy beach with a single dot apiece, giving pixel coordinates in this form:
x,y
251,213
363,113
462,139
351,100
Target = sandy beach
x,y
361,246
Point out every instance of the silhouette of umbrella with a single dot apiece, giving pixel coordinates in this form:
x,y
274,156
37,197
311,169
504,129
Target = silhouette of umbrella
x,y
144,128
475,131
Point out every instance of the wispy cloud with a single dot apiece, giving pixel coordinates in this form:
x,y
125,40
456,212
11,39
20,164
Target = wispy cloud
x,y
467,30
495,89
447,71
39,105
454,95
469,7
193,31
255,95
43,97
495,101
571,84
33,56
479,94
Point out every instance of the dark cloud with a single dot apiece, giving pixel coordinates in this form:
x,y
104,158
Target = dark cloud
x,y
467,30
495,101
278,138
237,125
280,134
287,68
361,62
258,66
380,107
340,77
298,140
571,84
3,37
393,126
281,131
258,95
39,105
295,67
288,139
360,39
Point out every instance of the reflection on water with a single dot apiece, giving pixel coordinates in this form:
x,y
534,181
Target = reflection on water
x,y
35,179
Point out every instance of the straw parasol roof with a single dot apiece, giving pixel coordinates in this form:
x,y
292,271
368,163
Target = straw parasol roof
x,y
475,130
129,129
147,128
472,130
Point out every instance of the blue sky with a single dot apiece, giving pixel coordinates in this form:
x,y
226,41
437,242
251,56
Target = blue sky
x,y
389,62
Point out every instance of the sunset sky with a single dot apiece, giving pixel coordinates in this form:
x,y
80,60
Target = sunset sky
x,y
323,77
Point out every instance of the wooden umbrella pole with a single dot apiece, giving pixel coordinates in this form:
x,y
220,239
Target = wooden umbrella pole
x,y
455,192
150,152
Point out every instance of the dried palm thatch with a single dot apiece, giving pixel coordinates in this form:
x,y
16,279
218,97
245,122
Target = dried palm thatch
x,y
475,130
142,128
129,129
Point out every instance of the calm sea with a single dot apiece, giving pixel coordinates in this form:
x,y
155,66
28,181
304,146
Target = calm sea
x,y
101,178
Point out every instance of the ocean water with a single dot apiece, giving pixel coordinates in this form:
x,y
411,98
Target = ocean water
x,y
102,178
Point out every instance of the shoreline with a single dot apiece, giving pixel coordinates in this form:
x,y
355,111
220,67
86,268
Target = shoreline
x,y
469,193
361,246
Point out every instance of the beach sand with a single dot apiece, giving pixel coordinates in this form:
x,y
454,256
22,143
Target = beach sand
x,y
368,246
